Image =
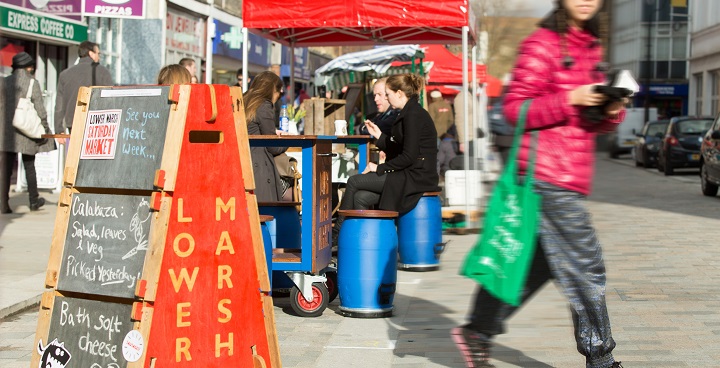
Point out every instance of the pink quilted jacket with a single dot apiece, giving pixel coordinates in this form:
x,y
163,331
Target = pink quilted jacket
x,y
566,143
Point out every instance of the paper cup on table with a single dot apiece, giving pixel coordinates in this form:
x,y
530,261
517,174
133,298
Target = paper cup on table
x,y
340,127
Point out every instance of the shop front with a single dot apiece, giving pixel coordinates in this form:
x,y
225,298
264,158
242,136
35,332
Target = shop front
x,y
228,56
669,99
301,68
49,38
185,38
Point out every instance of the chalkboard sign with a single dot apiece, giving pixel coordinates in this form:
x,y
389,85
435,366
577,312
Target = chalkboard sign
x,y
90,333
123,138
352,96
105,245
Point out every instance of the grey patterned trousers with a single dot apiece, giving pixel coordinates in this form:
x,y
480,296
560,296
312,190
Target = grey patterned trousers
x,y
569,252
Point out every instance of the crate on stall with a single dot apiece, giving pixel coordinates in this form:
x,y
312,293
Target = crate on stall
x,y
321,115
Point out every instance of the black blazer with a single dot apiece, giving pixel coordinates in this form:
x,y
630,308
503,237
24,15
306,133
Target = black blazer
x,y
411,163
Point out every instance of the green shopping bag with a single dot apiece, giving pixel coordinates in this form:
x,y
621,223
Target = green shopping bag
x,y
502,256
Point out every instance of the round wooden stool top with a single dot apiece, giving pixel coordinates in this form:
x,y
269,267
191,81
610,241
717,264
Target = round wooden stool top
x,y
368,213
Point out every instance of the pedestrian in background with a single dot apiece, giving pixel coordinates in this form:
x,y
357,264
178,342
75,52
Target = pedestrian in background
x,y
459,106
174,74
189,64
260,116
556,68
239,76
441,113
12,142
386,115
87,72
502,132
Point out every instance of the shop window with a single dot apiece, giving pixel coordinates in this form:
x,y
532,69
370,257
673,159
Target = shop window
x,y
678,70
715,91
107,33
698,93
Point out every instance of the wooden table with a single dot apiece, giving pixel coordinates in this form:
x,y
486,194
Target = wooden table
x,y
316,227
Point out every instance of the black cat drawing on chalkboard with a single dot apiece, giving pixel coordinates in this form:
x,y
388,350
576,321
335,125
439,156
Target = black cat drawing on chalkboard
x,y
54,355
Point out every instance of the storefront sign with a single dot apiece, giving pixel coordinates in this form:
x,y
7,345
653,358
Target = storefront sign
x,y
115,8
228,42
36,24
185,33
71,9
301,62
666,89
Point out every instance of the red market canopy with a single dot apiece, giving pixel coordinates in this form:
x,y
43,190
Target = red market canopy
x,y
447,70
447,67
302,23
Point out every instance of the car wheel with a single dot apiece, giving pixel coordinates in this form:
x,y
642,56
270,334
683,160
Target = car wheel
x,y
709,189
667,168
646,161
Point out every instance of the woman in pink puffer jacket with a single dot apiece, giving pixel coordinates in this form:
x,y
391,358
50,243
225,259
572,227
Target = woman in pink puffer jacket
x,y
556,68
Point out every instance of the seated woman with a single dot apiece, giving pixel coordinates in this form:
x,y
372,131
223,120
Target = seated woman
x,y
411,148
263,92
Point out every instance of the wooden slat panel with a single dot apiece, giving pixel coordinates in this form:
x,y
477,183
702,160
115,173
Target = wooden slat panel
x,y
242,137
174,137
258,247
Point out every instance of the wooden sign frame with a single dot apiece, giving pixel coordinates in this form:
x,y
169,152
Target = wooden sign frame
x,y
206,140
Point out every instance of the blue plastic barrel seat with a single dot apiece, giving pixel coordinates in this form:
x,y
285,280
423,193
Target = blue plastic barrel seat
x,y
267,242
367,263
420,235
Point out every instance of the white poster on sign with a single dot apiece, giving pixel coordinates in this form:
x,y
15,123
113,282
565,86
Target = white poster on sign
x,y
46,170
100,136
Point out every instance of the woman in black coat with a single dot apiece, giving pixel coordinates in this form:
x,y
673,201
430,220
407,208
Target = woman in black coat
x,y
260,115
411,149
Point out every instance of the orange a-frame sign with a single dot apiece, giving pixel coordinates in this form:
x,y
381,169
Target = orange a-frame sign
x,y
202,297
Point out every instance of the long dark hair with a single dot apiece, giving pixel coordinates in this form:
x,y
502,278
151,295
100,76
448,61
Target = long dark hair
x,y
557,21
261,89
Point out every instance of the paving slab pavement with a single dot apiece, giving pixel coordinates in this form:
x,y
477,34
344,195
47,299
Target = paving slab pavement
x,y
660,239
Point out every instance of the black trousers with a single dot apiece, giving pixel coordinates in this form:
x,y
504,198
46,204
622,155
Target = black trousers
x,y
361,193
7,160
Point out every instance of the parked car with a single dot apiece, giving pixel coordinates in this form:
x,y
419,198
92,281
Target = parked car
x,y
648,143
623,139
710,160
681,146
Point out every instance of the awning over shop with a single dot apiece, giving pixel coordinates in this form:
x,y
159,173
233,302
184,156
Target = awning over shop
x,y
378,59
335,82
369,64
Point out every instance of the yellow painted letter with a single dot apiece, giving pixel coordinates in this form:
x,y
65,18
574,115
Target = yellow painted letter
x,y
219,345
220,206
184,278
224,310
224,273
182,346
181,216
190,248
183,310
224,244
